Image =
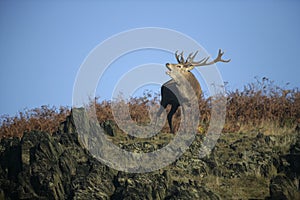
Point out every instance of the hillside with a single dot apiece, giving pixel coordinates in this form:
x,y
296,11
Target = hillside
x,y
244,166
256,157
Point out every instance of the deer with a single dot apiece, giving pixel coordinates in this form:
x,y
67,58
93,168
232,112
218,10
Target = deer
x,y
172,93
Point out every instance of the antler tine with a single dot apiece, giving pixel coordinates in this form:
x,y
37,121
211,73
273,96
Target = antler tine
x,y
200,62
192,59
190,64
182,58
219,57
203,62
177,56
188,60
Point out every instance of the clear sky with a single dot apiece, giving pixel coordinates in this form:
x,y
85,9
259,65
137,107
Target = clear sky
x,y
43,43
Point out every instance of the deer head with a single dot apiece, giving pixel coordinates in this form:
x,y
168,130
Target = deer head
x,y
174,92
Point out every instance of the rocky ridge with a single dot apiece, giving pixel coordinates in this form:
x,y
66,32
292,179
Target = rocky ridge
x,y
242,165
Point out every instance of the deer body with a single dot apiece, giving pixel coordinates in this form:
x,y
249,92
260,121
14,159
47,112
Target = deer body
x,y
176,91
172,95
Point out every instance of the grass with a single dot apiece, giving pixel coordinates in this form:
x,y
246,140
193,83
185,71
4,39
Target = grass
x,y
260,106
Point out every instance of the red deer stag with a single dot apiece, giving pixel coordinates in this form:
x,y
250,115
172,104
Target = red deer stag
x,y
171,93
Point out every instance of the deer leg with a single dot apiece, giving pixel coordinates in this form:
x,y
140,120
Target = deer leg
x,y
170,116
161,109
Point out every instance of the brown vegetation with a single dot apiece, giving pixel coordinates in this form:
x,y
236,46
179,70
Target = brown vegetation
x,y
259,106
263,105
46,119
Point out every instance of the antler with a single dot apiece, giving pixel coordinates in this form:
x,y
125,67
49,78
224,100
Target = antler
x,y
180,59
190,64
203,62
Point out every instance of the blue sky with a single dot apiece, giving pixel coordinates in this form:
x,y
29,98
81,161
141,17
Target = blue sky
x,y
43,43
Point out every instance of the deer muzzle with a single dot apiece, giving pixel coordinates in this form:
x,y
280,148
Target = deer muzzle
x,y
169,68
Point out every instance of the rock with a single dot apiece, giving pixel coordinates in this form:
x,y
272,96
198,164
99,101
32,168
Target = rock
x,y
140,186
41,166
297,128
245,166
109,127
294,157
187,191
281,187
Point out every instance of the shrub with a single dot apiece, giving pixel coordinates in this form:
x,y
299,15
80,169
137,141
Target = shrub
x,y
259,106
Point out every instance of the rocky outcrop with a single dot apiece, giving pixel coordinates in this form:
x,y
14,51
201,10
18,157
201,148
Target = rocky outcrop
x,y
41,166
244,166
282,188
285,185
